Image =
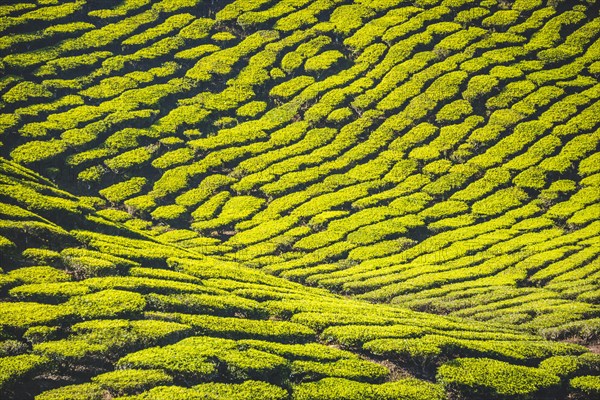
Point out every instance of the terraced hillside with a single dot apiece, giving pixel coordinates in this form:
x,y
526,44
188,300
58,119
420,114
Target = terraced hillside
x,y
295,199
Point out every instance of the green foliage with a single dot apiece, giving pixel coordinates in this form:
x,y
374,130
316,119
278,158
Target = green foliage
x,y
247,390
223,36
338,388
308,351
323,61
25,91
72,350
36,151
580,330
209,209
106,303
235,209
40,274
198,29
500,201
586,385
590,165
501,18
454,111
291,61
120,10
84,266
168,213
221,62
38,334
171,24
195,53
194,358
229,305
163,274
129,159
291,87
526,5
570,366
480,85
444,209
533,177
496,379
97,337
358,370
137,332
123,190
91,174
130,381
340,115
79,258
13,368
238,328
85,391
251,109
26,314
48,292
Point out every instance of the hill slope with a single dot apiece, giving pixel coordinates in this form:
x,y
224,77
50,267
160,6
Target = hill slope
x,y
220,192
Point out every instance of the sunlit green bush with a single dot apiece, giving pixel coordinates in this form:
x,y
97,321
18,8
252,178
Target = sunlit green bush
x,y
239,328
247,390
207,304
26,314
586,385
358,370
123,190
244,391
48,292
84,391
495,379
130,381
107,303
322,61
195,359
291,87
337,388
35,151
13,368
40,274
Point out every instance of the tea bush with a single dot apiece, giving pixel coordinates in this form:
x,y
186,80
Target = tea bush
x,y
106,303
337,388
130,381
586,385
493,378
85,391
13,368
350,369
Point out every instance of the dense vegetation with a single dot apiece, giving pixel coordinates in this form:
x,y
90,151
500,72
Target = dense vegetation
x,y
296,199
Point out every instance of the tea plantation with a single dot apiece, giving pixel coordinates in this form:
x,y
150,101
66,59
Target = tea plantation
x,y
300,199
